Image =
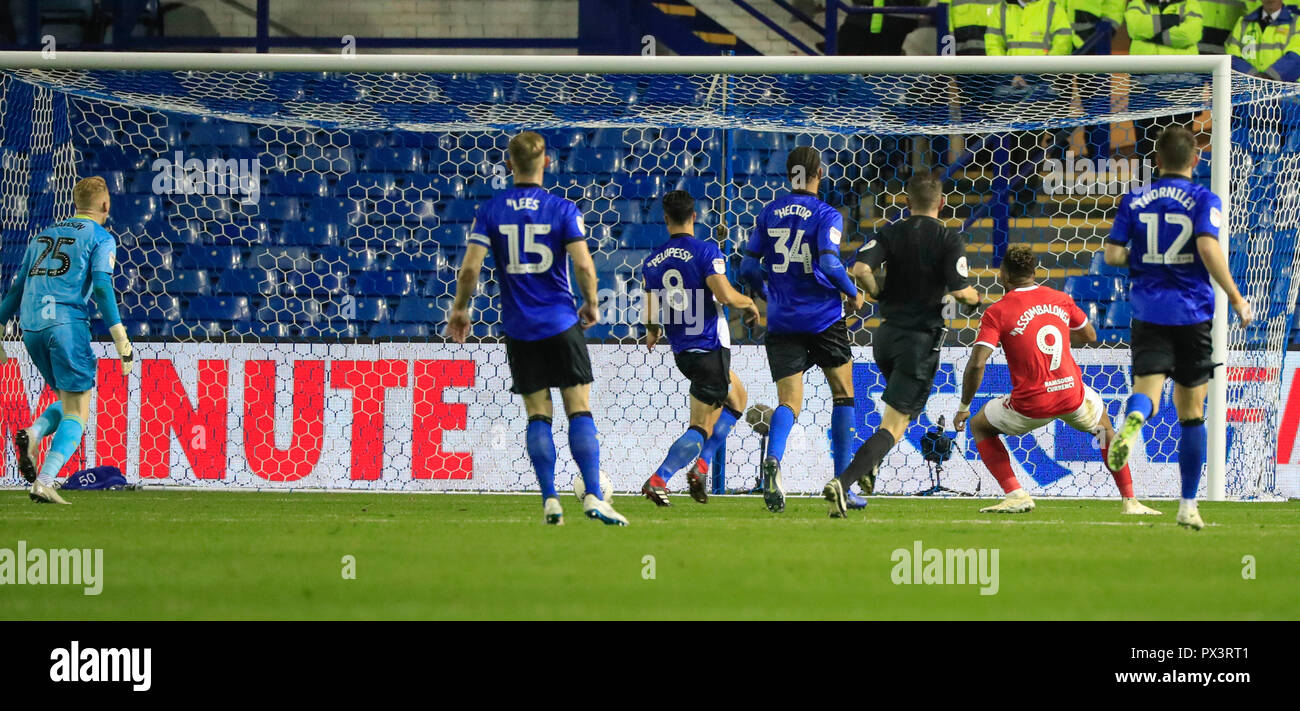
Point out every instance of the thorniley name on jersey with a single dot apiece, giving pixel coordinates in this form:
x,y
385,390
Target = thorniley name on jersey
x,y
1172,192
789,210
1034,312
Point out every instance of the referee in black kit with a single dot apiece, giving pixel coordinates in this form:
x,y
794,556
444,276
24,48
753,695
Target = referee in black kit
x,y
924,260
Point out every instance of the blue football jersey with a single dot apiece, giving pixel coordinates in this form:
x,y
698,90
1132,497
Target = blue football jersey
x,y
1168,282
790,235
678,271
59,263
527,230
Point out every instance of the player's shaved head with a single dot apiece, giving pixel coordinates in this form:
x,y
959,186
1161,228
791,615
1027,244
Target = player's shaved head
x,y
924,192
1176,149
679,207
802,166
527,152
89,193
1020,264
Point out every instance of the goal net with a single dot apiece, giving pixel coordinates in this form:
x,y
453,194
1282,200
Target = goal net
x,y
288,242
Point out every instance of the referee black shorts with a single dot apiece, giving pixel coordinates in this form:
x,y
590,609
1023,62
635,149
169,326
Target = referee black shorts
x,y
908,359
709,373
560,361
1184,353
793,353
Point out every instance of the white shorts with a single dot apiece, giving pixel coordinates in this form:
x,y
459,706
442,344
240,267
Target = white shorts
x,y
1085,418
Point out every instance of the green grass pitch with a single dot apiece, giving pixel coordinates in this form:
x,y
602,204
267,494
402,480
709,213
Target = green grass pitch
x,y
219,555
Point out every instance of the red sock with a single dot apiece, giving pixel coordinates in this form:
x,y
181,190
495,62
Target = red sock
x,y
998,460
1123,478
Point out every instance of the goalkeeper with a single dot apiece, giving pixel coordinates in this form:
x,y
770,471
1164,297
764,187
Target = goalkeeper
x,y
64,267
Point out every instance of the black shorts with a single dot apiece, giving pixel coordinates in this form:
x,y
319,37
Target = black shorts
x,y
908,359
1184,353
709,373
560,361
792,353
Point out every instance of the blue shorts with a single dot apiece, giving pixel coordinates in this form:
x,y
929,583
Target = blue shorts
x,y
62,354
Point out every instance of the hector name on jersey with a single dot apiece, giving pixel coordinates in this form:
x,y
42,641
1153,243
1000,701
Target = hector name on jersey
x,y
790,235
527,230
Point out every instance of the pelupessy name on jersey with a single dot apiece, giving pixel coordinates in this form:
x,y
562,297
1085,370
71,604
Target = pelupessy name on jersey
x,y
524,203
671,253
789,210
1034,312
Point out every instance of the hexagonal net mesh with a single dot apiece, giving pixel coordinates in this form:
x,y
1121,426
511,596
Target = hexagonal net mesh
x,y
288,245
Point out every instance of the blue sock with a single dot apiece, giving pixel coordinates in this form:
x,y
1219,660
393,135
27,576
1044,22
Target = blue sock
x,y
842,433
782,421
541,450
721,429
49,420
65,442
1141,404
684,451
586,450
1191,455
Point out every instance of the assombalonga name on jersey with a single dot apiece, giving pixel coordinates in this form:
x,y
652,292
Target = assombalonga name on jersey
x,y
1034,312
1164,191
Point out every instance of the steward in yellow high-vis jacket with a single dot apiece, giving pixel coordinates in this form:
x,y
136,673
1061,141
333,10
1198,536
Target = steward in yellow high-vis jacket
x,y
1163,26
1020,28
1266,42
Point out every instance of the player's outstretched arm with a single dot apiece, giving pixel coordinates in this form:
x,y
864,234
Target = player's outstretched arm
x,y
1215,263
728,296
970,383
585,269
466,281
106,299
1116,255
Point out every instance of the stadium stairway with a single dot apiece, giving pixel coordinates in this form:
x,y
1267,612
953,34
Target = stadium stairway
x,y
686,30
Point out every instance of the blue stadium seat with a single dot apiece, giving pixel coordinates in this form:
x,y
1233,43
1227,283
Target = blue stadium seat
x,y
367,185
451,235
135,209
137,329
332,329
458,211
259,329
177,282
416,309
289,309
285,259
1119,315
392,160
219,133
323,279
145,306
218,308
564,138
336,211
1112,335
298,185
399,330
307,234
116,181
579,187
284,209
247,281
595,160
154,256
1099,267
641,236
385,283
253,233
418,261
1092,288
436,187
614,137
356,260
199,207
320,159
126,279
210,257
1093,311
759,141
747,163
366,309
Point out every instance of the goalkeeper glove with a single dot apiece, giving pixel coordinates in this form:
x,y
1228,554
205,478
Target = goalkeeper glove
x,y
123,345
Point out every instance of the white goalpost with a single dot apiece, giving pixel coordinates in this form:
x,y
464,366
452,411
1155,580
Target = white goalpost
x,y
316,307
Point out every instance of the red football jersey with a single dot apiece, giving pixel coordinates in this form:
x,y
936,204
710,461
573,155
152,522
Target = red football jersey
x,y
1033,324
